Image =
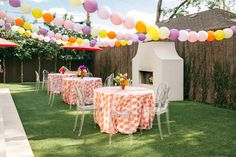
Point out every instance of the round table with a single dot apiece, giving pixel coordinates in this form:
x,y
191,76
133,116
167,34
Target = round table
x,y
55,81
87,85
140,109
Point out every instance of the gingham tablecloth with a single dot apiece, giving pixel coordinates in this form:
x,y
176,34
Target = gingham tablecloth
x,y
87,85
55,81
141,110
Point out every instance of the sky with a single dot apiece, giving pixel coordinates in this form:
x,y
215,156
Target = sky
x,y
139,9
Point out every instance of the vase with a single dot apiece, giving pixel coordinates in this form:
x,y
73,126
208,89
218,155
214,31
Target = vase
x,y
122,86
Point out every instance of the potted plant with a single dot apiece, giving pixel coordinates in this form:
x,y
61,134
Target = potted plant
x,y
82,71
122,80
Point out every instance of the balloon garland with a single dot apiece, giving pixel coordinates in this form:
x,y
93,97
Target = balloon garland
x,y
145,33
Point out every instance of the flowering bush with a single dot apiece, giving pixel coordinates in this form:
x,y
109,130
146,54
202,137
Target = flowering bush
x,y
122,79
82,71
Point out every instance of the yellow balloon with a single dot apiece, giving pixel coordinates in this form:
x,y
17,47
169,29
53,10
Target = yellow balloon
x,y
103,33
219,34
152,31
155,38
37,13
64,43
76,3
21,31
25,8
123,42
27,26
28,34
79,41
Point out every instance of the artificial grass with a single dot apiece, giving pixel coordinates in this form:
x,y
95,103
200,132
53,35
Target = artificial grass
x,y
197,130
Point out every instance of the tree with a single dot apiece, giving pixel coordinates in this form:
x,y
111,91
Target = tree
x,y
182,8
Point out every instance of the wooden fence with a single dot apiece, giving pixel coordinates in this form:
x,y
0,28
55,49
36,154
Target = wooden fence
x,y
199,60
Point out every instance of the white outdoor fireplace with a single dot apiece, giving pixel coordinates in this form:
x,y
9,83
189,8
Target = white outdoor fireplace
x,y
157,62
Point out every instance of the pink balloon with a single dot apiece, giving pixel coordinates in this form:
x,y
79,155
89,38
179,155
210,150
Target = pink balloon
x,y
68,24
111,43
193,37
202,36
183,35
65,38
127,36
116,18
58,21
7,25
51,34
129,23
10,19
104,12
90,6
77,27
15,3
2,14
119,36
58,36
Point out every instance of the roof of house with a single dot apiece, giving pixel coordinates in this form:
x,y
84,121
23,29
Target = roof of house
x,y
206,20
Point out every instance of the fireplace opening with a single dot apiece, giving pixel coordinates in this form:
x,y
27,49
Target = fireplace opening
x,y
146,77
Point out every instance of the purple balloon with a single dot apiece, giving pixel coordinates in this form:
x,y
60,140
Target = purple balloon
x,y
90,6
234,29
7,25
174,34
86,30
93,43
43,31
135,41
53,40
15,3
141,37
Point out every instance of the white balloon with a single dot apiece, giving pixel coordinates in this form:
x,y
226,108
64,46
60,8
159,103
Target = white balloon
x,y
164,32
41,37
111,43
59,42
228,33
35,28
34,35
129,42
2,22
134,36
202,36
86,42
148,38
14,28
10,19
77,27
46,39
104,12
94,32
119,36
183,35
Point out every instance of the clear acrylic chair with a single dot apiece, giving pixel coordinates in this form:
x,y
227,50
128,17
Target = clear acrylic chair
x,y
37,81
89,74
109,80
162,105
53,91
121,112
81,108
45,79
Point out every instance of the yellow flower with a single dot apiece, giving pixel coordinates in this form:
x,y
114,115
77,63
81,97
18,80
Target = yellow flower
x,y
84,71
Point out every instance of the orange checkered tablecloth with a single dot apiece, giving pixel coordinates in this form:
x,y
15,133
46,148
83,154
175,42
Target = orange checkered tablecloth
x,y
139,106
55,81
87,85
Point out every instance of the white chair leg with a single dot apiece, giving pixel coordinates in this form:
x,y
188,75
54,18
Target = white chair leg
x,y
159,125
131,139
82,123
53,98
168,122
76,120
43,85
110,136
50,97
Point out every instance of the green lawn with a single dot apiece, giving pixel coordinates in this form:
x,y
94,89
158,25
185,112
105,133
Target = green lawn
x,y
197,130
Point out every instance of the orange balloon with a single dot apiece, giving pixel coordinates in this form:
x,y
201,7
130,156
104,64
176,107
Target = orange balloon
x,y
70,44
19,22
111,35
141,27
117,43
72,39
48,17
211,36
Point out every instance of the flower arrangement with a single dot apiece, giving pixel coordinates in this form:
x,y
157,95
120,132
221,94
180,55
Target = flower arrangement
x,y
82,71
63,69
122,80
